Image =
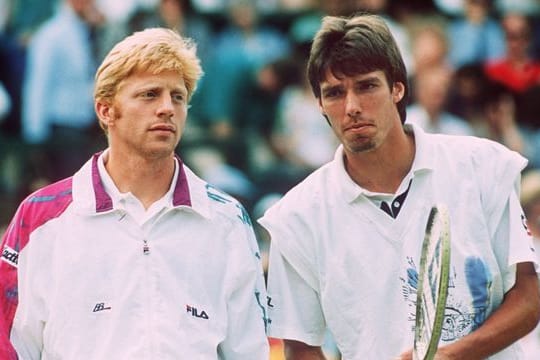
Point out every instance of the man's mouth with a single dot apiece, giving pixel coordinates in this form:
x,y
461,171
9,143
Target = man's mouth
x,y
163,127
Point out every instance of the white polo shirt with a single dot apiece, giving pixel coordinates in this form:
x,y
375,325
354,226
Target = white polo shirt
x,y
93,280
338,261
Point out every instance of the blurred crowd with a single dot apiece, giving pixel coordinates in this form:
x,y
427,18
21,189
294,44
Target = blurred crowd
x,y
254,127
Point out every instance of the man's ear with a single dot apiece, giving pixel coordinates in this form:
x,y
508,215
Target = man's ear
x,y
105,113
398,91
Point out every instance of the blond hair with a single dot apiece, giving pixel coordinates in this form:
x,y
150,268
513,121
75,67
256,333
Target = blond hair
x,y
152,50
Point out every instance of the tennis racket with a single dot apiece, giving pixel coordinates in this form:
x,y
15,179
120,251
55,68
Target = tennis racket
x,y
432,284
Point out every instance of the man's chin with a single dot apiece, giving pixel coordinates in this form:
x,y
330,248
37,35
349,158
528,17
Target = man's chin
x,y
159,152
361,146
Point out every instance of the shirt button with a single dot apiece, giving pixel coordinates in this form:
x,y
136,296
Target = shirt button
x,y
396,204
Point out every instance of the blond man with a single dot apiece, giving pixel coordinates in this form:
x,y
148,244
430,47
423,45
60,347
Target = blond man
x,y
134,256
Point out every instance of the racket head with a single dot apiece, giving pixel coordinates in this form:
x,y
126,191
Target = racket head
x,y
432,289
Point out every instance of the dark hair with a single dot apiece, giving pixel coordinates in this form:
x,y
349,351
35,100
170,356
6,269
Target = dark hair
x,y
356,45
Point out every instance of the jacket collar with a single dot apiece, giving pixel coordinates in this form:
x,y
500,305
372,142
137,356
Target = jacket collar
x,y
89,193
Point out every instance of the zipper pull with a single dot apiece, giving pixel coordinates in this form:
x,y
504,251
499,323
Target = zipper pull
x,y
146,248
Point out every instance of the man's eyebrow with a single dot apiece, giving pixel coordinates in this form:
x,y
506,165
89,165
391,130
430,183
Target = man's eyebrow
x,y
179,89
331,87
158,87
147,87
368,79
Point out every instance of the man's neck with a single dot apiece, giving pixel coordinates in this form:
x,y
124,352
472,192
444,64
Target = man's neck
x,y
147,179
383,170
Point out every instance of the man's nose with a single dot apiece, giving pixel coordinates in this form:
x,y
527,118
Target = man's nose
x,y
352,105
166,106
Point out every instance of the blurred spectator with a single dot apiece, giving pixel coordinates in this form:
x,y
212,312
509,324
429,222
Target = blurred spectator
x,y
528,113
528,109
239,167
256,120
243,47
136,17
221,6
516,69
429,44
304,25
14,173
118,11
28,15
528,7
301,135
499,121
496,112
301,138
5,98
58,111
398,30
12,60
243,170
5,14
475,35
5,103
450,8
296,6
432,86
178,15
467,92
455,7
530,201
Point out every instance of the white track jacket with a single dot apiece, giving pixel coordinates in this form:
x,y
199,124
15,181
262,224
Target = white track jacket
x,y
80,279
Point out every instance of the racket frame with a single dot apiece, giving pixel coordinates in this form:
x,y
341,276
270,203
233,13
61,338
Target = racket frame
x,y
428,329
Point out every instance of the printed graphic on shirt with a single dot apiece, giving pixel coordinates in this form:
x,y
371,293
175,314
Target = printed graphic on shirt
x,y
216,195
244,216
265,317
11,293
479,282
466,307
409,288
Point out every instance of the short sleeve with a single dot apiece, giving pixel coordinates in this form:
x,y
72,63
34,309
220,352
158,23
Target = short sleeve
x,y
496,179
294,306
512,241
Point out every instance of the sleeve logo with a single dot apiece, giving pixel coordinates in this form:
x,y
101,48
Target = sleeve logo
x,y
525,224
10,256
